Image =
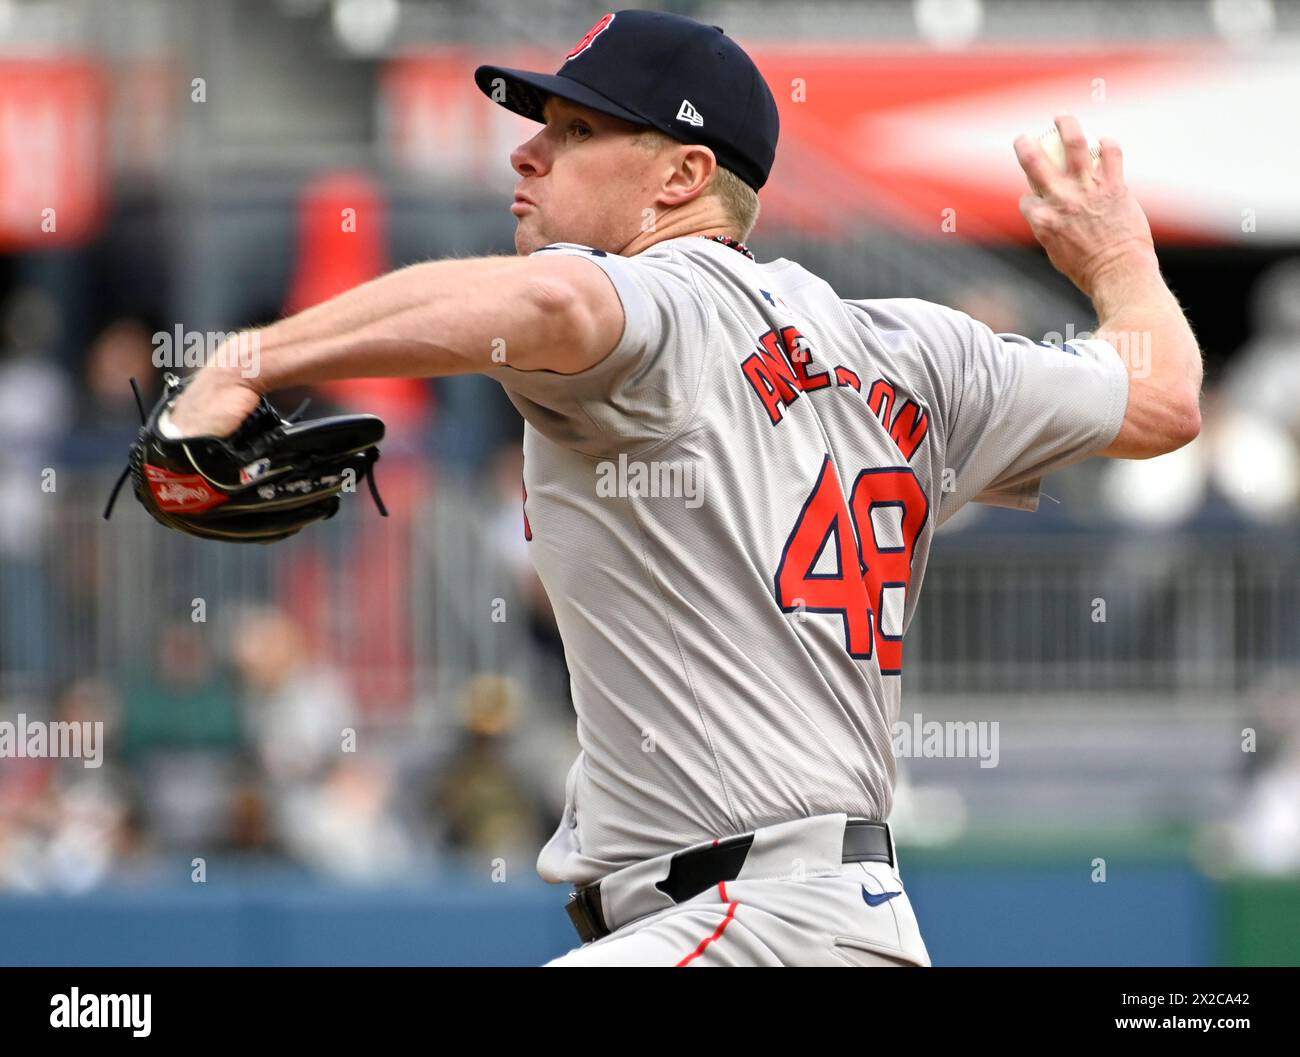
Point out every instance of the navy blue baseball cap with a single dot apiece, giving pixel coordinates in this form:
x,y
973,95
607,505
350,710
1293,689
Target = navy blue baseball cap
x,y
688,80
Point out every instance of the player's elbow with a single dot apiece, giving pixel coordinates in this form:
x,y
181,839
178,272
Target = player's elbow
x,y
1180,422
1186,421
1175,425
1157,422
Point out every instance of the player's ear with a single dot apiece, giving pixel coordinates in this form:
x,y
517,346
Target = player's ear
x,y
691,171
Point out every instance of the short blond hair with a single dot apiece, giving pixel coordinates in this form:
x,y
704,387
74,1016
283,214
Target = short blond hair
x,y
738,199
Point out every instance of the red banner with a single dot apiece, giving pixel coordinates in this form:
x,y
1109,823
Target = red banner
x,y
53,158
921,139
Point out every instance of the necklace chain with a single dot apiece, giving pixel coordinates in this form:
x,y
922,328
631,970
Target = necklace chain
x,y
734,244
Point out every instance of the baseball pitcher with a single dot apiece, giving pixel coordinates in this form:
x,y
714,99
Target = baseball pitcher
x,y
732,478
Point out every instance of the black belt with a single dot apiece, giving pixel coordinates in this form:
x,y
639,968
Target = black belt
x,y
698,870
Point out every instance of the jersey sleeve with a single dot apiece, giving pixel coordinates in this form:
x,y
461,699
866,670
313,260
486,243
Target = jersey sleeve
x,y
645,390
1012,409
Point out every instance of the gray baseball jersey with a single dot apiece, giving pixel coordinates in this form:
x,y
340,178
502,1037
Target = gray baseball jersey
x,y
732,513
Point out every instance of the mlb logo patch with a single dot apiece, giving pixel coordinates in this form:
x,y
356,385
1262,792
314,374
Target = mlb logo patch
x,y
254,470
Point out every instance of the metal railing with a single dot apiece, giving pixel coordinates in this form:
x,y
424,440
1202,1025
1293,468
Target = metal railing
x,y
1047,614
412,607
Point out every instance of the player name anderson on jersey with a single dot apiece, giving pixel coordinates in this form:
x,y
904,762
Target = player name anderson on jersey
x,y
736,663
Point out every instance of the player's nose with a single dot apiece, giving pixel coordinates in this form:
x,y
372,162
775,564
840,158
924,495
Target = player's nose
x,y
529,158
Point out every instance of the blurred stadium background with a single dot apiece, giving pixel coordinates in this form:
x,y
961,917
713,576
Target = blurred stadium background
x,y
180,163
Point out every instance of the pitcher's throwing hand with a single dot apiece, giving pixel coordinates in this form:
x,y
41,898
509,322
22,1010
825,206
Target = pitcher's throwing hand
x,y
1085,218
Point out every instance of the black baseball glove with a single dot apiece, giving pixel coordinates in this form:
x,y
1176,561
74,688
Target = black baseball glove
x,y
270,478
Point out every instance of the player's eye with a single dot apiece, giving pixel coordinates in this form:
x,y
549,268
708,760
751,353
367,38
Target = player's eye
x,y
581,128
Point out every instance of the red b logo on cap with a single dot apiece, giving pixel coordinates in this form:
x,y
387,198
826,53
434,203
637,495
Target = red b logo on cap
x,y
592,34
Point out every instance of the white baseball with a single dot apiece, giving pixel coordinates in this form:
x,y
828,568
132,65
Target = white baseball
x,y
1052,146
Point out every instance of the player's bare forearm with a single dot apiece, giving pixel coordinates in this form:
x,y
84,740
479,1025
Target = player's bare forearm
x,y
553,312
450,317
1140,316
1096,234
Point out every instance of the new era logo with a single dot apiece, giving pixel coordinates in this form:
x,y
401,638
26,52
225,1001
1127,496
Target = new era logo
x,y
686,112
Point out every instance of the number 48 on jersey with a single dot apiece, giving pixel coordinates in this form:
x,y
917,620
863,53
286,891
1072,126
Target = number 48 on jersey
x,y
871,538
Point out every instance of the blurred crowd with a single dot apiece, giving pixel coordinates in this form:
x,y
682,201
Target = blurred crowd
x,y
262,754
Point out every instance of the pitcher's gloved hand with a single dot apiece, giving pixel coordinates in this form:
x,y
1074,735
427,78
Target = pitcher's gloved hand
x,y
267,480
